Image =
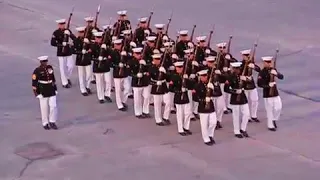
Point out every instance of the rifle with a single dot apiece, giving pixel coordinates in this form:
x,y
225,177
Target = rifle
x,y
207,105
192,33
245,68
106,33
149,19
168,24
228,51
162,63
97,15
66,37
185,72
251,60
121,69
210,36
272,77
84,44
175,45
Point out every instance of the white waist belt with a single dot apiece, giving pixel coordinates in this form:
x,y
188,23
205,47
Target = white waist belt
x,y
45,82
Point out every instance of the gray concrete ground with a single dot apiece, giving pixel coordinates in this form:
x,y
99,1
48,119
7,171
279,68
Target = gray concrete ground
x,y
98,142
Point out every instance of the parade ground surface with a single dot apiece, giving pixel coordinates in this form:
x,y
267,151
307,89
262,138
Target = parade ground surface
x,y
98,142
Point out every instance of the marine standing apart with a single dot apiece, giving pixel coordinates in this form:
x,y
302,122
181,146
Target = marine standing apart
x,y
272,100
45,89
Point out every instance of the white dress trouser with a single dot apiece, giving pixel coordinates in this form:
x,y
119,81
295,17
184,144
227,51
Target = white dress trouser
x,y
151,97
48,107
237,112
103,84
273,107
208,122
219,105
84,76
183,116
66,64
168,100
157,100
130,89
141,96
191,102
121,96
226,97
252,101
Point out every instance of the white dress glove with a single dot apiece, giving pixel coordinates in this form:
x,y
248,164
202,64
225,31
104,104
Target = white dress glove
x,y
143,62
249,78
210,85
243,78
159,83
225,69
228,57
100,58
185,76
239,91
165,38
207,51
271,84
171,68
274,72
67,32
251,65
133,44
84,51
114,38
174,56
195,63
86,40
190,45
183,89
192,76
208,99
162,69
139,75
123,53
104,46
121,65
39,96
64,44
147,32
56,92
204,63
217,71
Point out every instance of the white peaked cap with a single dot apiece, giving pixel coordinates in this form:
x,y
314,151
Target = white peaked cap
x,y
210,58
60,21
203,72
201,38
89,18
121,13
128,31
151,38
43,58
188,51
223,44
98,34
137,50
236,64
80,29
178,63
244,52
159,26
117,41
183,32
107,26
156,56
143,19
267,58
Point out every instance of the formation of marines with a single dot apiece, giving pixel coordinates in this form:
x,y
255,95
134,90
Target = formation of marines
x,y
178,75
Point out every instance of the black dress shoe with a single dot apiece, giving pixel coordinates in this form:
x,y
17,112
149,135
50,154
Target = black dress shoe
x,y
250,120
112,89
193,119
272,129
218,126
187,131
210,143
101,101
238,135
123,109
53,126
183,134
151,104
173,112
166,121
67,86
226,112
230,110
212,140
69,82
46,127
146,115
130,96
85,94
125,105
274,124
139,116
160,124
88,91
244,133
93,82
196,116
108,99
255,120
